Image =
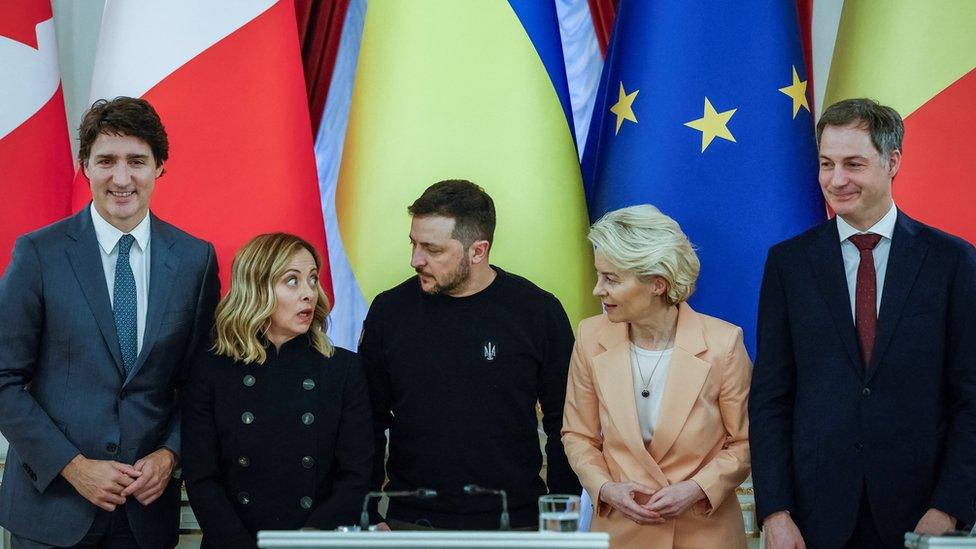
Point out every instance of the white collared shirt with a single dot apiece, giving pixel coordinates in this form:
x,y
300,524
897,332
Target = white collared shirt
x,y
649,367
852,256
108,245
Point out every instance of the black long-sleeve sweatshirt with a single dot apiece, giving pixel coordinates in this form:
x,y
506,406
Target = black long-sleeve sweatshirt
x,y
456,381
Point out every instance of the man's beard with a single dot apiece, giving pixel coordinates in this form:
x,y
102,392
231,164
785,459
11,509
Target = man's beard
x,y
457,278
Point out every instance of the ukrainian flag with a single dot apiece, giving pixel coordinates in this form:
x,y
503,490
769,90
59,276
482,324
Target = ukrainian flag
x,y
475,90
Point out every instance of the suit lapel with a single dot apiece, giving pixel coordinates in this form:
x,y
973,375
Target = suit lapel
x,y
828,267
86,262
904,260
615,380
163,264
686,376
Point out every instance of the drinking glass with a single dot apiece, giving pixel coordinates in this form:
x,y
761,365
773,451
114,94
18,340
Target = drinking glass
x,y
559,513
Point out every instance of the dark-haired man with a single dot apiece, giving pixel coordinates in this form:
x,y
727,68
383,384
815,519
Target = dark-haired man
x,y
101,313
863,402
457,358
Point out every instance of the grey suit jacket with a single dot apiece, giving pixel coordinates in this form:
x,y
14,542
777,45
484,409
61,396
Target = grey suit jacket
x,y
62,388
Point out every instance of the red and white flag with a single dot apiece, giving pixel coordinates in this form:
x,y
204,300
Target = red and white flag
x,y
35,155
226,78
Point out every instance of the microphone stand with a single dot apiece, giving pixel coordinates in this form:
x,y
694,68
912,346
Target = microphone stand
x,y
419,493
475,490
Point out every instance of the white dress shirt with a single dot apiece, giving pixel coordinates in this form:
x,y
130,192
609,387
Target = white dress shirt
x,y
108,245
651,367
852,256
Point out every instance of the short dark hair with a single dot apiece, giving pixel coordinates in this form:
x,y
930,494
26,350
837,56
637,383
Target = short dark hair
x,y
883,123
123,116
468,204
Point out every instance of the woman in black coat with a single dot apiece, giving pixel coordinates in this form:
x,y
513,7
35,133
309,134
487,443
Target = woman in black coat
x,y
276,422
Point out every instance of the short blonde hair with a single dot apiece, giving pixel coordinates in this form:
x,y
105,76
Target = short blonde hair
x,y
243,315
644,241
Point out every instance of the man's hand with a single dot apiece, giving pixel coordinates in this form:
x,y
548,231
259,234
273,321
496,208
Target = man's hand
x,y
622,496
782,533
383,527
155,471
671,501
100,482
935,523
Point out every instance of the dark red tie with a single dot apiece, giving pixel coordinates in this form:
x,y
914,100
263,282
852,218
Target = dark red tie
x,y
866,295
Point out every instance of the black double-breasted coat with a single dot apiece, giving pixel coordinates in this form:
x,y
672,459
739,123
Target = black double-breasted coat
x,y
282,445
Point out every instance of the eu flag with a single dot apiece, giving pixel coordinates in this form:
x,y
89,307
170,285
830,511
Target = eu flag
x,y
702,111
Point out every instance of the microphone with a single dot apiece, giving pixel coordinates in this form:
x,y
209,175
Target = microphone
x,y
420,493
475,490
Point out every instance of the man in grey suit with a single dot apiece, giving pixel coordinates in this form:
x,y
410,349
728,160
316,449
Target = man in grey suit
x,y
101,313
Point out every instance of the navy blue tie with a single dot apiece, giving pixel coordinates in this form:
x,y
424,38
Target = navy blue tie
x,y
124,304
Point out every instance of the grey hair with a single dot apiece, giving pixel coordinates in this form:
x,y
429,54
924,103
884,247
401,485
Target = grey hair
x,y
648,243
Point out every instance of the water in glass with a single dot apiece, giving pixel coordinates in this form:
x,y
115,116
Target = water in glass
x,y
559,513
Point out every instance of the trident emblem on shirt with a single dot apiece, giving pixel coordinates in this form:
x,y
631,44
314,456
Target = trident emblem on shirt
x,y
489,351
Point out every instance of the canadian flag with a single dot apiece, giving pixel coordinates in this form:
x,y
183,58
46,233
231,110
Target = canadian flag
x,y
226,78
35,155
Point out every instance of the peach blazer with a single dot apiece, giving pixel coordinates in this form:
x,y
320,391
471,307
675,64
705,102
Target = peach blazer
x,y
702,434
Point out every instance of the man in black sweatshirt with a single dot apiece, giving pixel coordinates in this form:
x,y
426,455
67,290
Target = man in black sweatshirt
x,y
456,359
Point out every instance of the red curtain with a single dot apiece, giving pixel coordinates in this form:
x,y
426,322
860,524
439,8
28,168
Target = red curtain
x,y
804,11
319,30
603,13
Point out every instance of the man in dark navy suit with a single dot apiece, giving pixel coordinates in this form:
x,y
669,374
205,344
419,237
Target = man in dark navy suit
x,y
100,314
863,403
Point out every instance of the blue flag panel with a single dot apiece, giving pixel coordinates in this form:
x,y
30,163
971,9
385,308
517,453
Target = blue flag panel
x,y
702,111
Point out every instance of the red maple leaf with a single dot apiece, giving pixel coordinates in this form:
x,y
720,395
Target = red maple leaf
x,y
18,19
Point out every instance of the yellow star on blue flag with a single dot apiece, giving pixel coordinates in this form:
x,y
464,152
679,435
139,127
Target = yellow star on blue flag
x,y
624,107
713,124
797,91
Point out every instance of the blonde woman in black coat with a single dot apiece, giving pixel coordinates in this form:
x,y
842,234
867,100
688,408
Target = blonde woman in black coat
x,y
276,421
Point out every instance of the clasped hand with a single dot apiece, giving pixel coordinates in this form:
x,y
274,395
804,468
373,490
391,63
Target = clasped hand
x,y
107,483
645,505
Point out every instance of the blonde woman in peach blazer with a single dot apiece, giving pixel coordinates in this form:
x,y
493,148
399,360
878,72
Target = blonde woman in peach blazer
x,y
655,423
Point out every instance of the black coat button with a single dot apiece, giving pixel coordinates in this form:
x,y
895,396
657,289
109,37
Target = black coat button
x,y
858,446
308,418
111,447
244,498
866,391
244,461
308,462
247,418
308,384
249,380
306,502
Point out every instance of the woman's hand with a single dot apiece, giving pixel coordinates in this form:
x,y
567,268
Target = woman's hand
x,y
622,496
671,501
